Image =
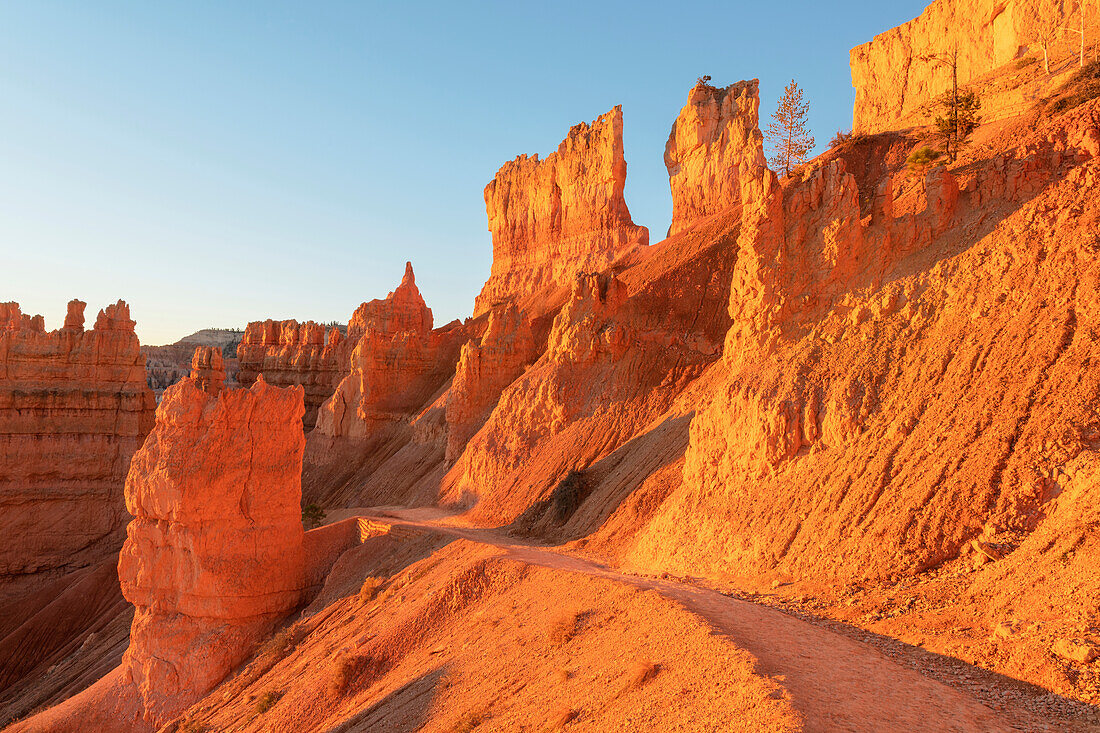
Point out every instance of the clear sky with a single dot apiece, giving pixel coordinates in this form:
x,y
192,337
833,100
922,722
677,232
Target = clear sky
x,y
216,162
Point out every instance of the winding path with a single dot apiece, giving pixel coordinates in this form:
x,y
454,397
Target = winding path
x,y
837,683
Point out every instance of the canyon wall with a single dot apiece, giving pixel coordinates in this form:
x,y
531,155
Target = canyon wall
x,y
288,353
383,429
74,406
894,79
559,216
715,141
213,556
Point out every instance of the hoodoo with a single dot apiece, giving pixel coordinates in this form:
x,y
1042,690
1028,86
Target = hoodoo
x,y
556,217
714,143
213,557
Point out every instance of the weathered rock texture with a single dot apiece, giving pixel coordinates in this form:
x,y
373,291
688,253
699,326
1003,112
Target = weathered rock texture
x,y
484,370
383,431
894,81
288,353
214,554
208,369
74,406
168,364
556,217
714,141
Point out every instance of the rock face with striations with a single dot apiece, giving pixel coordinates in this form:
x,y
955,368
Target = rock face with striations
x,y
398,362
894,80
290,353
74,406
213,556
556,217
484,369
715,141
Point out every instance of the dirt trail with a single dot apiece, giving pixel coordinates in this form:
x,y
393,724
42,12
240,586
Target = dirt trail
x,y
836,683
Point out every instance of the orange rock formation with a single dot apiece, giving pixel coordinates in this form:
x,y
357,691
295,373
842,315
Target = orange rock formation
x,y
214,554
714,142
484,370
288,353
556,217
74,406
208,369
894,79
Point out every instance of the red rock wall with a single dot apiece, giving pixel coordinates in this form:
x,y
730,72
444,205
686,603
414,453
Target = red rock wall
x,y
714,143
288,353
888,381
213,556
484,369
74,407
553,218
893,80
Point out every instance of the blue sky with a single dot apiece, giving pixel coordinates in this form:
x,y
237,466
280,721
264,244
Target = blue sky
x,y
214,163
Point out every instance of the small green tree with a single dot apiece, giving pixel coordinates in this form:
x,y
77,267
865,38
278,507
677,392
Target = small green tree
x,y
958,119
921,160
787,133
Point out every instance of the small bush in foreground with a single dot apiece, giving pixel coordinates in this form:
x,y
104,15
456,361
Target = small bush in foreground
x,y
313,516
267,701
369,590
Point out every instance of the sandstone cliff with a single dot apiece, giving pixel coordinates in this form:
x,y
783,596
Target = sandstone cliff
x,y
714,142
553,218
382,433
287,353
74,406
894,80
484,369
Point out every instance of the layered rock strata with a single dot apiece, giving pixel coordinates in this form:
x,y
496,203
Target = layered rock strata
x,y
213,556
74,406
289,353
559,216
714,142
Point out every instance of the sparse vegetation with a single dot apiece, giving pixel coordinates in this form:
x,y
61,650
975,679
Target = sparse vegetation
x,y
562,718
959,119
565,628
1026,61
267,701
840,138
569,494
787,134
191,726
959,109
468,722
282,642
921,160
369,590
1082,87
345,671
313,516
1039,24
